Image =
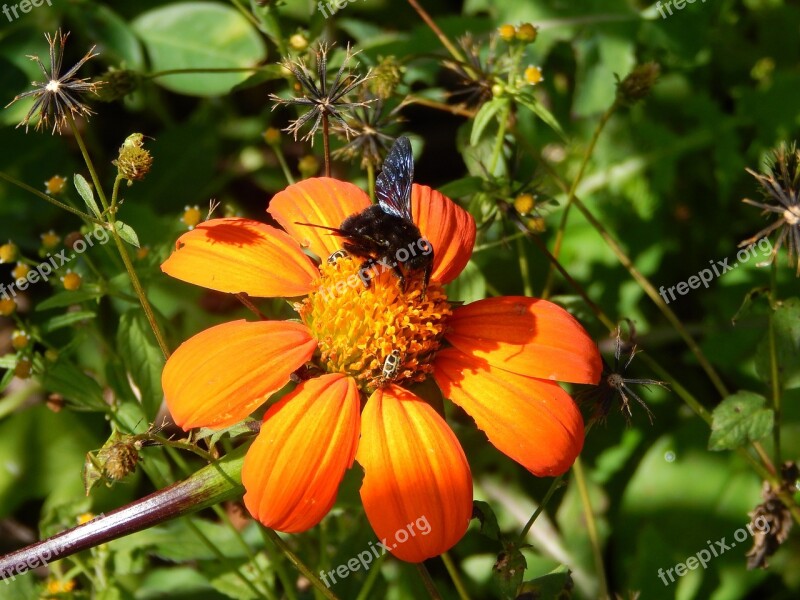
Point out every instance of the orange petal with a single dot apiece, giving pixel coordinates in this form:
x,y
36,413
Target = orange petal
x,y
527,336
221,375
534,422
319,201
240,255
307,441
448,227
417,489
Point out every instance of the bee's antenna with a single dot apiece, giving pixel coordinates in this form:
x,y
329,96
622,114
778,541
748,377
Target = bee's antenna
x,y
335,230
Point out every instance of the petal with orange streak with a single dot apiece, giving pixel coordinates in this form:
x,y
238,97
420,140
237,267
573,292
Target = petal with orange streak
x,y
241,255
532,421
448,227
527,336
417,489
307,442
318,201
222,374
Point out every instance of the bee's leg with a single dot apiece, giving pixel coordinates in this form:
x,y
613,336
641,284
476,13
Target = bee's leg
x,y
426,279
398,272
364,272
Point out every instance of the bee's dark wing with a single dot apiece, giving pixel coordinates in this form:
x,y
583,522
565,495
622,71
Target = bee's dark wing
x,y
393,185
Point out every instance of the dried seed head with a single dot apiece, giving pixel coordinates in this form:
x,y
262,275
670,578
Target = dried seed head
x,y
638,83
133,161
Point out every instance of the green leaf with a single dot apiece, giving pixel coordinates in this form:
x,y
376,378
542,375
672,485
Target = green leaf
x,y
67,319
487,518
142,358
469,286
509,570
76,386
199,35
739,419
127,233
533,105
85,192
485,115
786,325
66,298
557,584
466,186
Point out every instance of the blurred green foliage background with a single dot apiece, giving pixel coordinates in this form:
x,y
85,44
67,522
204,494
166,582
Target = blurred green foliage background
x,y
666,178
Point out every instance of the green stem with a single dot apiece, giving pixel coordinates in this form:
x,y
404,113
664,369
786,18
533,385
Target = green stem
x,y
276,561
553,487
123,251
773,361
223,559
500,140
427,581
451,48
204,70
375,570
287,172
573,189
591,527
524,271
299,564
247,14
326,144
50,199
371,180
461,589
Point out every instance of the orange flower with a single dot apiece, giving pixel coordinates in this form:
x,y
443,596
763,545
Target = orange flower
x,y
503,360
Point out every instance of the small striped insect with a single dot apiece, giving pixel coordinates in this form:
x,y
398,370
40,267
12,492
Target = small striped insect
x,y
336,256
391,366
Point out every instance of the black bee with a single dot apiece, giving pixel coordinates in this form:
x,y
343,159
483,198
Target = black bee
x,y
384,234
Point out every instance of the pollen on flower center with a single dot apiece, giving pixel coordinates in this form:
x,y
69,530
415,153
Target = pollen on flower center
x,y
358,328
792,215
52,86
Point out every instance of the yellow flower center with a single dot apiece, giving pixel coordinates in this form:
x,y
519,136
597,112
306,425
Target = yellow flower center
x,y
377,334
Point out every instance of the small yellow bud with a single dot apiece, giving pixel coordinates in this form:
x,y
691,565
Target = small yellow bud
x,y
23,368
55,587
85,518
536,224
524,203
298,41
142,252
507,32
20,340
7,307
51,355
55,185
72,281
20,271
8,253
533,75
497,90
50,240
272,136
527,33
308,166
191,217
